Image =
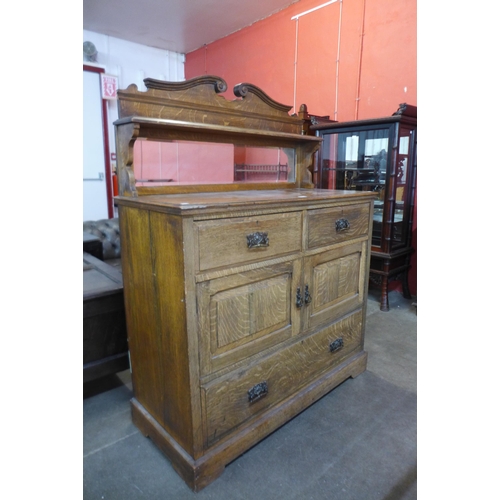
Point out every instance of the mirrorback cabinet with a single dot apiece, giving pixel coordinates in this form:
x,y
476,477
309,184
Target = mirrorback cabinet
x,y
245,295
380,156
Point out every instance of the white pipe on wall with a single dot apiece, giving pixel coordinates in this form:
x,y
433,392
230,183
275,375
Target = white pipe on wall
x,y
296,19
337,68
295,64
313,9
362,36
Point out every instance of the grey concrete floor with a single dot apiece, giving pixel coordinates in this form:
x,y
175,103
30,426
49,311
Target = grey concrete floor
x,y
359,442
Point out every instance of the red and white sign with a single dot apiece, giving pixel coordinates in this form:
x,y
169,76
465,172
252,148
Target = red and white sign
x,y
109,86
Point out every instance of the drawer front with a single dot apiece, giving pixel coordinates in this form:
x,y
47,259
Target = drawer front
x,y
230,402
327,226
226,242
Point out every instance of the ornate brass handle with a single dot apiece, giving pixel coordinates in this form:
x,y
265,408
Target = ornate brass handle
x,y
256,240
257,392
342,225
299,301
307,295
337,344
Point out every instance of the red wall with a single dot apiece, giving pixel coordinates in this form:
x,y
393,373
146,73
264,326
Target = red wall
x,y
295,62
202,163
376,72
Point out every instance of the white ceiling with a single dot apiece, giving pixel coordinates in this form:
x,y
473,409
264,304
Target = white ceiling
x,y
176,25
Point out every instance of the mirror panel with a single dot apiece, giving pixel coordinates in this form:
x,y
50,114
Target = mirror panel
x,y
177,163
357,160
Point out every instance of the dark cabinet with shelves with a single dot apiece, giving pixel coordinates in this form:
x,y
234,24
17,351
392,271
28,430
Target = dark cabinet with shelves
x,y
378,155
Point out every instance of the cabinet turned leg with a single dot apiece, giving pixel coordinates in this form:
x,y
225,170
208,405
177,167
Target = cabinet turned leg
x,y
384,297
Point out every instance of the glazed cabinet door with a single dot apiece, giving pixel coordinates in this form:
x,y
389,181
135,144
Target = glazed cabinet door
x,y
245,313
334,283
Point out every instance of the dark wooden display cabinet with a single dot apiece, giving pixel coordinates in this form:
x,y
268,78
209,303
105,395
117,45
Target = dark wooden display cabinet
x,y
378,155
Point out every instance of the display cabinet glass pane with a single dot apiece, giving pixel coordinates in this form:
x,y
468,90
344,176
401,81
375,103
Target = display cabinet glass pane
x,y
377,155
358,161
402,196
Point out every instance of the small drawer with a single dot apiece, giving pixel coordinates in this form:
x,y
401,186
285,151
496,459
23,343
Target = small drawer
x,y
236,397
226,242
327,226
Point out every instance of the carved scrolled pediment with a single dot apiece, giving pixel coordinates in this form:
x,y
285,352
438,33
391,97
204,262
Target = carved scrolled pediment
x,y
245,89
195,111
218,84
199,100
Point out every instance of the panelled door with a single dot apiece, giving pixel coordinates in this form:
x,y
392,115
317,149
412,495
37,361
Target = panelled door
x,y
245,313
333,283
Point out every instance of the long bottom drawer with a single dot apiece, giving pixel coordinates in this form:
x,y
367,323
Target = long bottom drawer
x,y
230,401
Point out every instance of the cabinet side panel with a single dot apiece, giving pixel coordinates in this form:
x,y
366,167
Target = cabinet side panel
x,y
144,335
167,250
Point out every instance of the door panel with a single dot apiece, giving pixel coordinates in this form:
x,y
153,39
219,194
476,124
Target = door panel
x,y
335,280
245,313
254,309
335,284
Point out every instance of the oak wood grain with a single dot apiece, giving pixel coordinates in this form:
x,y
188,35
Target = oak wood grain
x,y
227,404
200,472
336,282
210,317
192,111
166,239
258,323
322,224
223,242
143,326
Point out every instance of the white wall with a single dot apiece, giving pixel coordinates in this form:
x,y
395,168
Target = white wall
x,y
131,63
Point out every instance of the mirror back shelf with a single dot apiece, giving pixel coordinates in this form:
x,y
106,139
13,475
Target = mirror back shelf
x,y
181,137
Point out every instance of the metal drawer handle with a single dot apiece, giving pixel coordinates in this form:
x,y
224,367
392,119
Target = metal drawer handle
x,y
342,225
337,344
256,240
257,392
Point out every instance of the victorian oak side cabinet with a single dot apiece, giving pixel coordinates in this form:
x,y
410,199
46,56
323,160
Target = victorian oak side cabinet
x,y
245,300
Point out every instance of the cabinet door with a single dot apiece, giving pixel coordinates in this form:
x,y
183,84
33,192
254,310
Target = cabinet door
x,y
335,283
246,313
